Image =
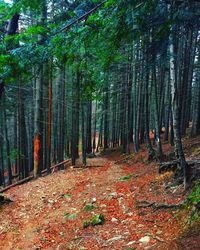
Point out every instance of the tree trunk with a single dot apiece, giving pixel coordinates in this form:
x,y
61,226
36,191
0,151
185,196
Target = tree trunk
x,y
175,114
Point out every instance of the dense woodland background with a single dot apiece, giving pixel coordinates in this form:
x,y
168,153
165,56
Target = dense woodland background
x,y
77,77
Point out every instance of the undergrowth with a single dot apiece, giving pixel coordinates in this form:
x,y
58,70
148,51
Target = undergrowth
x,y
193,202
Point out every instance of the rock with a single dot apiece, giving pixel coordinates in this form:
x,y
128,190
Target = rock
x,y
125,221
113,195
118,237
103,205
51,201
94,200
62,234
114,220
144,240
159,232
131,243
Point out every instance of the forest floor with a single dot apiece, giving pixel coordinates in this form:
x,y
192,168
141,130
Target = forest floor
x,y
48,213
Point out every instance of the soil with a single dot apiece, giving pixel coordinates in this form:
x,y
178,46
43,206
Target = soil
x,y
48,213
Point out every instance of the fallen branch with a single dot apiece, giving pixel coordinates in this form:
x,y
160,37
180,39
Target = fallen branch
x,y
29,178
55,166
17,183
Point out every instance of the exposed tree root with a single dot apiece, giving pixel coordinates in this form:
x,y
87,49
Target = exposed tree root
x,y
146,204
123,160
168,166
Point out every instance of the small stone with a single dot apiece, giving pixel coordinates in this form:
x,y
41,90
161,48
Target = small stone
x,y
144,240
94,200
119,237
113,195
62,234
131,243
130,214
103,205
159,232
114,220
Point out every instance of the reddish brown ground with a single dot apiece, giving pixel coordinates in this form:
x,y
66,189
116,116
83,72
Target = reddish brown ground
x,y
36,219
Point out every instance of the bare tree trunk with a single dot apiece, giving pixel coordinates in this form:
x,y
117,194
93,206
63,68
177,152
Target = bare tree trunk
x,y
175,114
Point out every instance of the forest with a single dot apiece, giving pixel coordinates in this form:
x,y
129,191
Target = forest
x,y
99,124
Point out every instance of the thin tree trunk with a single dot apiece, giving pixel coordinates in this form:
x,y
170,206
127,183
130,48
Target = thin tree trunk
x,y
175,114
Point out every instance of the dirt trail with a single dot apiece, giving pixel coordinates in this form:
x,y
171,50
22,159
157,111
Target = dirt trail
x,y
48,213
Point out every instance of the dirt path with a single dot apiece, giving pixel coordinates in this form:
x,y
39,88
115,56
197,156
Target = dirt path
x,y
48,213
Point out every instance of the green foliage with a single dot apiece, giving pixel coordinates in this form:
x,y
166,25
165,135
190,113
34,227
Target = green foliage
x,y
109,3
13,154
97,219
194,197
126,178
86,223
67,196
36,30
193,202
68,216
88,207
